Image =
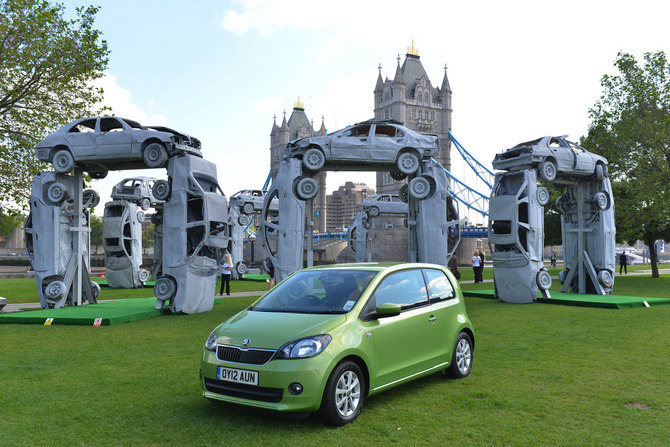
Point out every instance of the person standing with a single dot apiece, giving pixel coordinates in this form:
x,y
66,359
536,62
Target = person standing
x,y
271,270
623,262
481,265
553,259
476,260
226,272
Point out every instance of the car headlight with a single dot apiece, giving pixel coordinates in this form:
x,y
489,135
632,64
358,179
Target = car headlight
x,y
212,342
304,348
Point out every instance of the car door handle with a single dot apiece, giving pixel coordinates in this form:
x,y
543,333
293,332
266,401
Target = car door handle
x,y
364,139
432,319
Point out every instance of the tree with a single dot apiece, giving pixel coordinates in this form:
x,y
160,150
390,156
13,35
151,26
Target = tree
x,y
96,232
631,128
47,64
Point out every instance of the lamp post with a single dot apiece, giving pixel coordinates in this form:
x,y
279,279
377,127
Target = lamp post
x,y
252,239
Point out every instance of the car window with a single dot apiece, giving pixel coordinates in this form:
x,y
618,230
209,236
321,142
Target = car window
x,y
405,288
384,131
317,291
362,130
133,124
439,287
84,126
110,125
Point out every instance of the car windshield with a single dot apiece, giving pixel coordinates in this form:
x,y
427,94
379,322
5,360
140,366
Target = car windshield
x,y
317,292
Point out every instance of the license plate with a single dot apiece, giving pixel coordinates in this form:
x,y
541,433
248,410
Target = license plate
x,y
237,375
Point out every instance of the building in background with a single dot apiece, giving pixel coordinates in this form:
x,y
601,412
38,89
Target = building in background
x,y
299,126
344,203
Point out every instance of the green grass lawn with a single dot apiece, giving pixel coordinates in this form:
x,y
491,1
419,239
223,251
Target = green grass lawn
x,y
542,375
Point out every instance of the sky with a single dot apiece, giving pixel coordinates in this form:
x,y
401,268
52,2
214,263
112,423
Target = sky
x,y
223,70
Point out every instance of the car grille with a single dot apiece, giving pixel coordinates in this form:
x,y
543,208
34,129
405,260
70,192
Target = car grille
x,y
247,356
258,393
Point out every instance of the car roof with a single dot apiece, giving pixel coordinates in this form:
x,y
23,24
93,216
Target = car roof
x,y
374,266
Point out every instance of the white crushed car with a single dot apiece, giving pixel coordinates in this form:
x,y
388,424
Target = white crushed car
x,y
109,142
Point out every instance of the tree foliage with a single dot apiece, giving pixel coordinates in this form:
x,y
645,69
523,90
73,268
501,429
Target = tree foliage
x,y
631,127
47,63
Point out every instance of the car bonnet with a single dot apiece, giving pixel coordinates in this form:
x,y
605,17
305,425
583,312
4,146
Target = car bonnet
x,y
270,330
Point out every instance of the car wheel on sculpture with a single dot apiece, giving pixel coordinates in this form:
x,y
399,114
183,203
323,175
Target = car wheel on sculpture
x,y
306,188
374,211
344,394
63,161
140,216
408,163
548,171
542,196
605,278
90,198
403,193
248,208
561,204
419,188
313,159
543,280
396,175
161,190
144,275
241,268
461,359
55,290
243,219
601,201
165,288
57,192
95,289
98,174
600,172
563,275
145,204
155,155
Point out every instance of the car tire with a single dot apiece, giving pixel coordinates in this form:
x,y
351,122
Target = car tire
x,y
344,394
243,219
548,171
144,275
145,204
542,195
601,201
90,198
397,175
408,163
63,161
55,290
307,188
374,211
248,208
155,155
95,289
403,194
98,174
241,268
606,278
461,358
157,218
140,216
57,192
313,159
419,188
543,280
165,288
600,172
161,190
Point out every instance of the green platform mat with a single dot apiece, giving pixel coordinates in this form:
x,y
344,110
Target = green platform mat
x,y
575,299
106,313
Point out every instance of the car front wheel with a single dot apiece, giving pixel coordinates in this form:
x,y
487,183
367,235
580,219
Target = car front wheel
x,y
344,394
63,162
408,163
461,359
155,155
313,159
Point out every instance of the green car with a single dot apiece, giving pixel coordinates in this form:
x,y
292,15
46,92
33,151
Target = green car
x,y
328,337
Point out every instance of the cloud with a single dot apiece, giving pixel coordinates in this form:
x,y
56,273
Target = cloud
x,y
119,99
269,104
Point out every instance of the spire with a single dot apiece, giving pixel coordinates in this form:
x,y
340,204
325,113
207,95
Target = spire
x,y
380,83
398,79
274,126
446,88
322,130
284,124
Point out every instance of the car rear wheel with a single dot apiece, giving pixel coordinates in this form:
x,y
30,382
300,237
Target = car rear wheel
x,y
241,268
548,171
161,189
543,280
55,290
155,155
461,359
165,288
419,188
403,193
306,188
144,275
601,201
408,163
243,220
90,198
344,394
63,162
542,196
57,192
600,172
248,208
145,204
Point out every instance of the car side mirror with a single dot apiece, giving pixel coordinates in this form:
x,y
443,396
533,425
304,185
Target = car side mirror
x,y
388,310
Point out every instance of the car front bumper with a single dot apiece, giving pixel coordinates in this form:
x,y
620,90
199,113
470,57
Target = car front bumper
x,y
274,378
